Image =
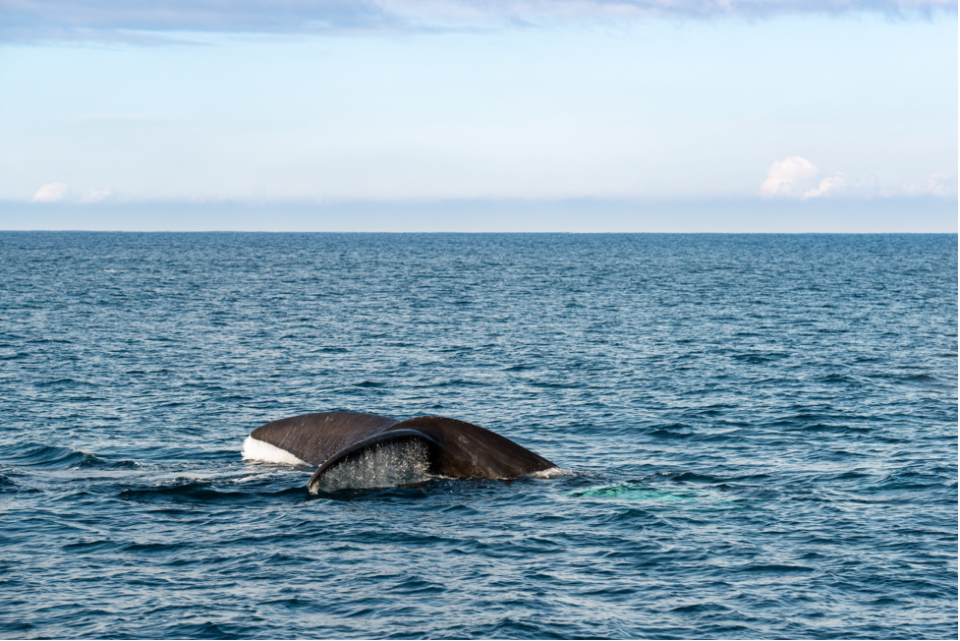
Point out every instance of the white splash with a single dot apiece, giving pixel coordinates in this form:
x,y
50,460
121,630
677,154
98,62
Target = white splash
x,y
551,473
382,465
257,450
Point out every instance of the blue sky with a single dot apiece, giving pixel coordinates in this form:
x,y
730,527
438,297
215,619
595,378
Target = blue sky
x,y
107,109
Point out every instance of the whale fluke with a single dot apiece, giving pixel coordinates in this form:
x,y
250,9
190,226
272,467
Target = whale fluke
x,y
442,446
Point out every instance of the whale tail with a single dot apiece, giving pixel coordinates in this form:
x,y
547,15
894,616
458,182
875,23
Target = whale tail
x,y
366,450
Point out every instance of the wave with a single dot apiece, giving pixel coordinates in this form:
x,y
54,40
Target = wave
x,y
56,457
7,484
183,490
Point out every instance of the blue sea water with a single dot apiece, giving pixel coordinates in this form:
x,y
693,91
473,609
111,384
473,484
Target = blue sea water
x,y
759,433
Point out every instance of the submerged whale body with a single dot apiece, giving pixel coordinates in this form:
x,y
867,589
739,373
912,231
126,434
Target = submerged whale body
x,y
353,449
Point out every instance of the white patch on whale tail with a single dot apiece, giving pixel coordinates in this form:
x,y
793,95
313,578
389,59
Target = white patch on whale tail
x,y
387,464
257,450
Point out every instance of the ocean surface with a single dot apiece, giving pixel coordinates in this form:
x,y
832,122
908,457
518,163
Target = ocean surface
x,y
759,435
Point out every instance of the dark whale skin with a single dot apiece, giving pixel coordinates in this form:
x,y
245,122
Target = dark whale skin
x,y
456,449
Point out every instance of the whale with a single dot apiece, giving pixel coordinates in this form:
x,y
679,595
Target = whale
x,y
360,450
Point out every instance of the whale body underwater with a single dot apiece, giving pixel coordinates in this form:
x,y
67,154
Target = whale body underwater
x,y
357,450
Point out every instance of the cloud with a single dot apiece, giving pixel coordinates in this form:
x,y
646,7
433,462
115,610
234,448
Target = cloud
x,y
941,183
96,195
826,185
50,193
792,177
113,19
61,192
797,177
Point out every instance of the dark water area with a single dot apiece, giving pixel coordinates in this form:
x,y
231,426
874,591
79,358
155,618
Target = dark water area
x,y
759,434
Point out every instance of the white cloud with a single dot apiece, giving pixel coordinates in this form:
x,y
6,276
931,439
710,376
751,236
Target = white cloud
x,y
93,195
50,193
845,185
792,177
826,185
797,177
61,192
943,183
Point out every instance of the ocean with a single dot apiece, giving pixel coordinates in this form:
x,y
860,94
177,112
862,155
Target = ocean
x,y
758,435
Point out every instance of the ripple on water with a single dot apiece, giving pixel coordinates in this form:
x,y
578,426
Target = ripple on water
x,y
757,435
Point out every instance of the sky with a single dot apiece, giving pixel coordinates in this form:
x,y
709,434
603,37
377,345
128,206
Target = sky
x,y
585,115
